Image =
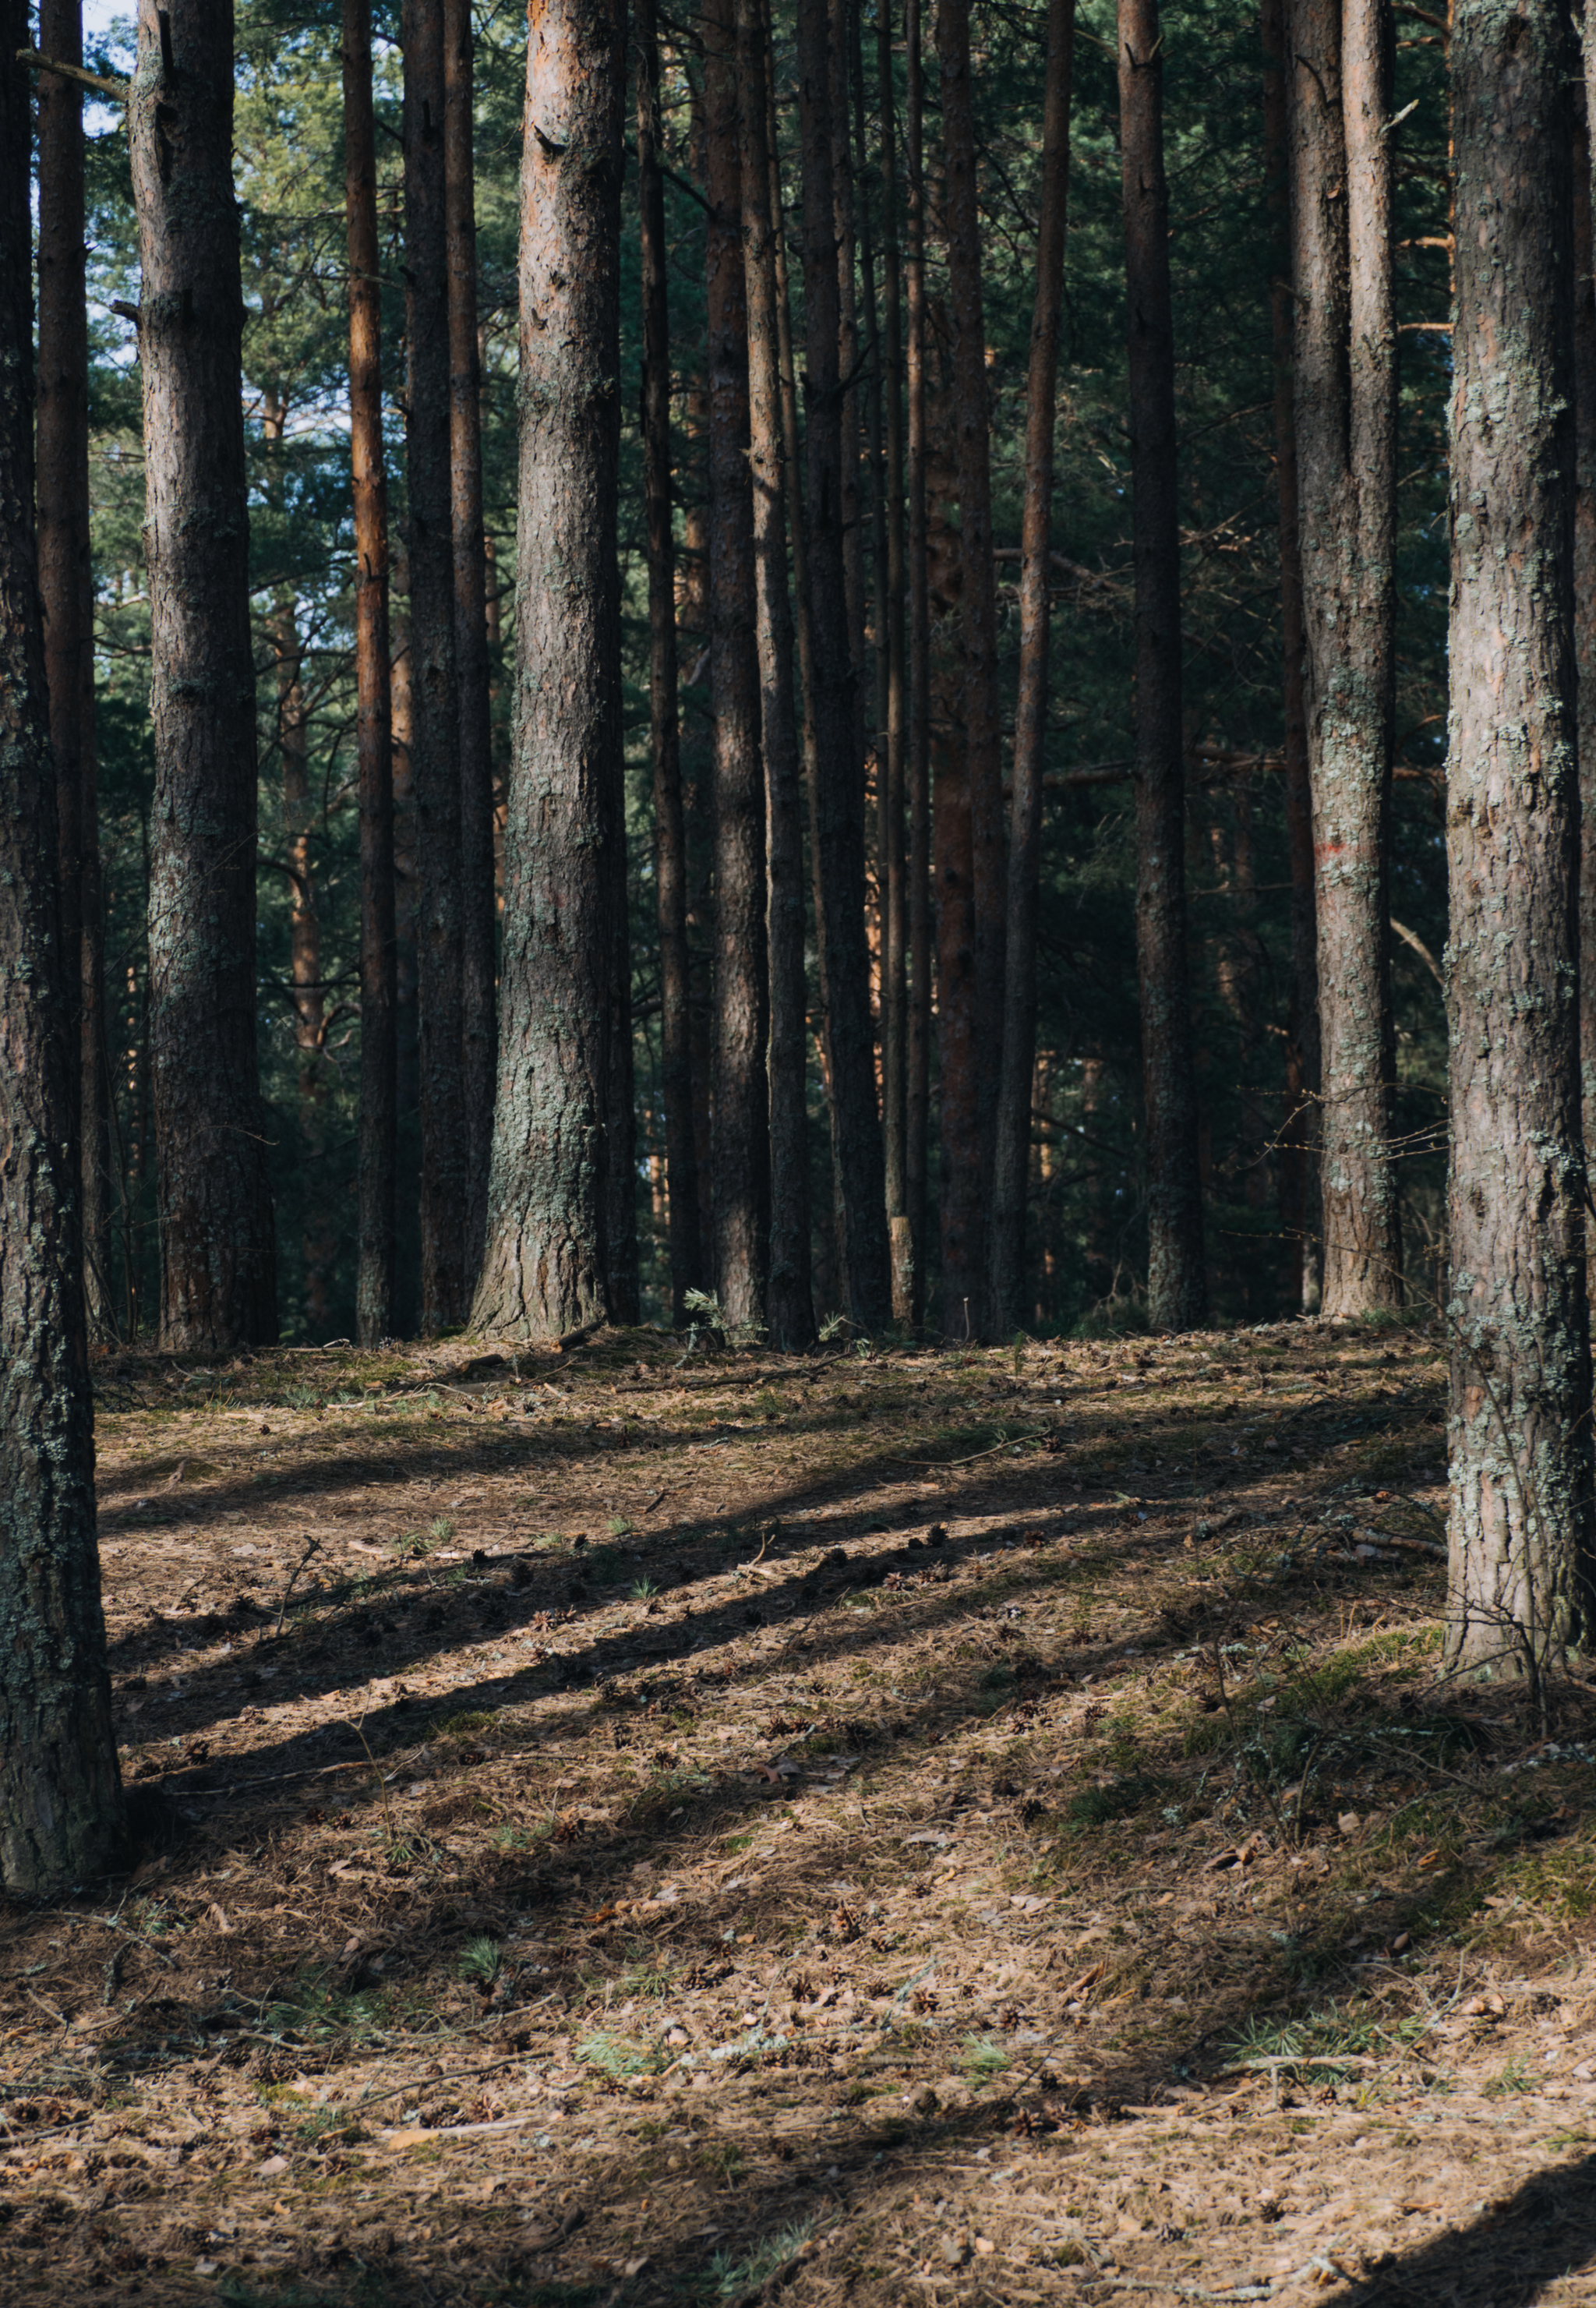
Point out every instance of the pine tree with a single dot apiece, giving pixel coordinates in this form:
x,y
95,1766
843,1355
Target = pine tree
x,y
217,1258
60,1794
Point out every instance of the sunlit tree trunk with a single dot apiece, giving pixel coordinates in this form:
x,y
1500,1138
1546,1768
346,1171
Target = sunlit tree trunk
x,y
789,1298
917,1084
434,693
66,585
836,797
1177,1286
895,958
379,1047
1012,1160
554,1205
1520,1531
1345,413
218,1286
739,1119
60,1793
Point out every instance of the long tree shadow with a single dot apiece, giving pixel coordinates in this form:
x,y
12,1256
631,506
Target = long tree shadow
x,y
1542,2234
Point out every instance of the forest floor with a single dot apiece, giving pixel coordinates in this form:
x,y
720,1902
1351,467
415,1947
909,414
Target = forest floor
x,y
618,1829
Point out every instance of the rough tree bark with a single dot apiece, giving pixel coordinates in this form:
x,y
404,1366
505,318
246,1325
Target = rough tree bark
x,y
478,903
790,1296
552,1206
60,1793
917,1086
981,706
66,585
837,794
435,694
379,1044
895,957
739,1098
670,832
1300,1128
1177,1286
1521,1507
1345,410
1012,1159
219,1287
1585,574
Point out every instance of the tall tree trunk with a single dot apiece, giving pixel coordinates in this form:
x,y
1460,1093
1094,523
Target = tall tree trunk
x,y
478,910
552,1203
1177,1286
1012,1161
434,693
917,1086
681,1157
66,586
1298,1131
218,1284
406,969
670,832
60,1794
981,714
1584,576
838,48
790,1296
895,956
1521,1521
1345,407
739,1098
836,797
379,1048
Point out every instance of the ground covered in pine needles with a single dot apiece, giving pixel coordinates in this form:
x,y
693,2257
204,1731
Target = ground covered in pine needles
x,y
616,1827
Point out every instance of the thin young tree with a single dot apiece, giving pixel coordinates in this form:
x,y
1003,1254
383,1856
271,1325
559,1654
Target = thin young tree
x,y
670,832
434,691
379,1044
739,1098
478,903
837,794
551,1262
980,710
1520,1532
66,586
917,776
789,1296
1177,1284
1299,1264
1012,1160
60,1792
1338,91
895,951
218,1263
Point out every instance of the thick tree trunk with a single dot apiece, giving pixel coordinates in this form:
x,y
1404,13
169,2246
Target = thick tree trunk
x,y
1299,1133
790,1296
1012,1160
895,957
1521,1519
219,1287
1345,408
478,907
1584,576
434,691
548,1264
980,712
379,1047
1177,1286
66,587
60,1794
917,1085
739,1098
670,832
837,794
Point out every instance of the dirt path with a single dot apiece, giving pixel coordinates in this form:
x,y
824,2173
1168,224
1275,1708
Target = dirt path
x,y
614,1829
